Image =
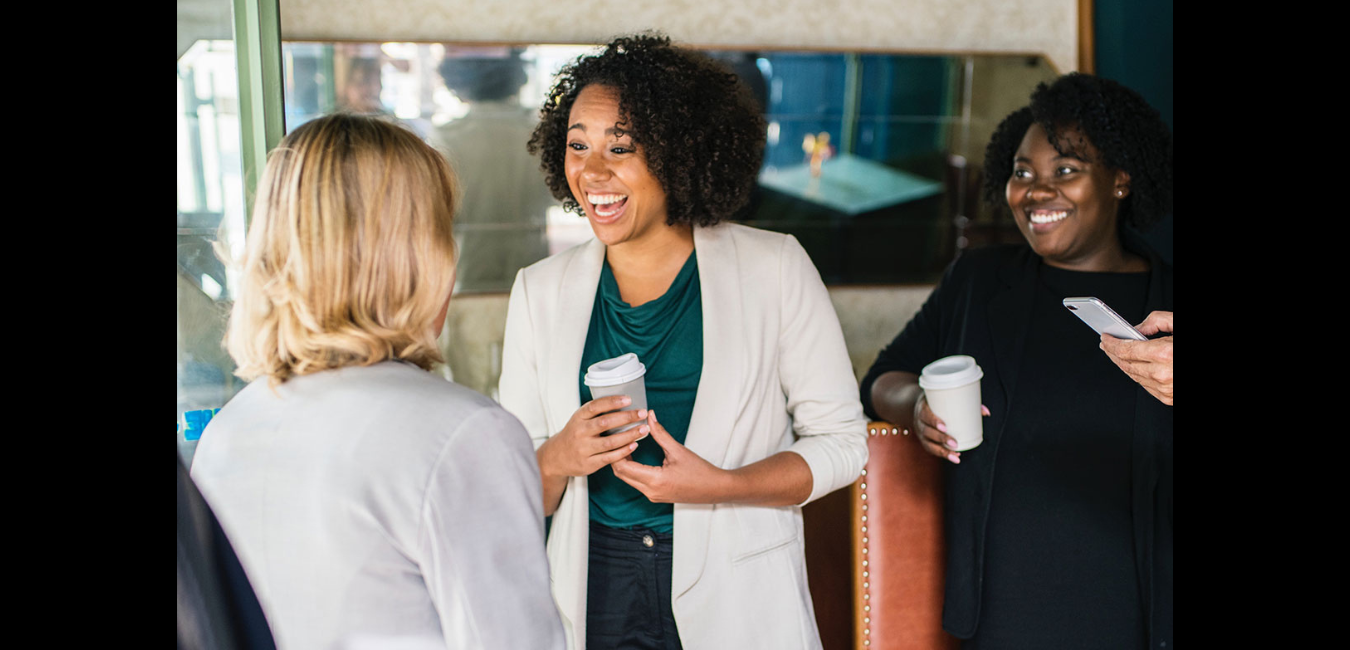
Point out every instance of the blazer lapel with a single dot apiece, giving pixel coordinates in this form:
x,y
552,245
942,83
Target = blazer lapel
x,y
1010,318
719,390
719,386
1151,418
567,334
566,340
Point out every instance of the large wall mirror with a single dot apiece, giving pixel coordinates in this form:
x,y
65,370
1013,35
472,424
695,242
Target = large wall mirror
x,y
872,160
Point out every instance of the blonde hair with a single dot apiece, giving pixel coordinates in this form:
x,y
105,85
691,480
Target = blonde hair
x,y
350,255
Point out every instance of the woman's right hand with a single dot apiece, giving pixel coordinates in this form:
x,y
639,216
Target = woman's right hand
x,y
580,449
932,431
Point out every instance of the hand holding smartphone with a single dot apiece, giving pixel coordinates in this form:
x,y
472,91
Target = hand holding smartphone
x,y
1102,319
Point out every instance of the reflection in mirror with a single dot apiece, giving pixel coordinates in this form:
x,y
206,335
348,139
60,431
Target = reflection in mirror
x,y
872,160
210,217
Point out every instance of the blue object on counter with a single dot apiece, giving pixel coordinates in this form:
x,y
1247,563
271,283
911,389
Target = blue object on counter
x,y
850,185
195,421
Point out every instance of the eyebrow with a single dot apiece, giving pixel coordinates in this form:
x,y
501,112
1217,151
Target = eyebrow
x,y
613,130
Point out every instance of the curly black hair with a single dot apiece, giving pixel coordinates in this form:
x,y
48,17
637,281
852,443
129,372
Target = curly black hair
x,y
1128,134
694,120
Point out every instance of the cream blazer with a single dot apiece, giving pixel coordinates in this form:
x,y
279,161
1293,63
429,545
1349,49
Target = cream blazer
x,y
776,376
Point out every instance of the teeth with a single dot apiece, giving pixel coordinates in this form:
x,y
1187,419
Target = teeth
x,y
605,199
1048,217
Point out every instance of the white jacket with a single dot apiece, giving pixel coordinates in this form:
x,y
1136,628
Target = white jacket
x,y
382,507
776,376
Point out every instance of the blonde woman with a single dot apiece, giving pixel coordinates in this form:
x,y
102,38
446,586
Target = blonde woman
x,y
371,502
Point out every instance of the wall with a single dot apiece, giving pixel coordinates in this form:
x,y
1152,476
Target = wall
x,y
1134,45
1046,26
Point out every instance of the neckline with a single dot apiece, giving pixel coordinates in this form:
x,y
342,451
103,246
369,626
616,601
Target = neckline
x,y
609,287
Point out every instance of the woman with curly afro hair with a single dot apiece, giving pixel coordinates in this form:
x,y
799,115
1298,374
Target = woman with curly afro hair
x,y
681,529
1069,544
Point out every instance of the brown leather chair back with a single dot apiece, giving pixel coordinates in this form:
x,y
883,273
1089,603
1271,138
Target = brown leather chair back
x,y
898,559
874,552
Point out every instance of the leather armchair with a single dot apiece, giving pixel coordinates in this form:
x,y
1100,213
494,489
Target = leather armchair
x,y
895,555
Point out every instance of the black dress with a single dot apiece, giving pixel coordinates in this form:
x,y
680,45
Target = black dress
x,y
1059,562
1059,526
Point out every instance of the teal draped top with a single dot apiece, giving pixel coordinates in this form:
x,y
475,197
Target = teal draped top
x,y
667,336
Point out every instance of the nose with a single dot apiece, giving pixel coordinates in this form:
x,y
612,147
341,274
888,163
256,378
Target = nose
x,y
595,168
1041,191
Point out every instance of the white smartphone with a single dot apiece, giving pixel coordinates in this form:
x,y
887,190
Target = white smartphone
x,y
1102,319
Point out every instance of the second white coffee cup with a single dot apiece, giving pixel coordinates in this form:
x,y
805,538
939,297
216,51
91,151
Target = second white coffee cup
x,y
622,375
952,387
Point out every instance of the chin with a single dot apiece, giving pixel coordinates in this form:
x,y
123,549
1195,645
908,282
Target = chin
x,y
609,234
1044,252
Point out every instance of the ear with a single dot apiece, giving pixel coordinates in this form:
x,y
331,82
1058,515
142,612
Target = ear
x,y
1122,185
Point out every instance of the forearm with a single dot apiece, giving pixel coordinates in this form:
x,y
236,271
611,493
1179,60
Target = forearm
x,y
783,479
894,395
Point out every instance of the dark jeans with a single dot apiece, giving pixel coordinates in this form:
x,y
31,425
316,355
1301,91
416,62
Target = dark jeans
x,y
628,590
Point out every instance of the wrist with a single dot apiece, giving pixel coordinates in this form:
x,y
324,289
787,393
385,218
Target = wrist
x,y
548,470
730,486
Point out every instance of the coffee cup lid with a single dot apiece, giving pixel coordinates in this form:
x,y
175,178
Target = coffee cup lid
x,y
619,370
950,372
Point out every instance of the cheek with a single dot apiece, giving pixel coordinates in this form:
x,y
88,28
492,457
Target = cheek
x,y
1010,195
651,186
1091,194
571,170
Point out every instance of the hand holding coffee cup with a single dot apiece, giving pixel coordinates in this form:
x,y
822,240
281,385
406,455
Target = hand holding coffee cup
x,y
582,447
947,416
622,375
605,429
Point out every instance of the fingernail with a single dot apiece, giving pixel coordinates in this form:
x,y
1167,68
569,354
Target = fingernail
x,y
985,410
653,414
626,400
632,446
644,429
942,427
954,458
642,414
951,443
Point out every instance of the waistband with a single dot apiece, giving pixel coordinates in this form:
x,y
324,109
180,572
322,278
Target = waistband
x,y
630,539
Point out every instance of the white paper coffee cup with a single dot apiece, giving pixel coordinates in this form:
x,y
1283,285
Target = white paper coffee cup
x,y
622,375
952,386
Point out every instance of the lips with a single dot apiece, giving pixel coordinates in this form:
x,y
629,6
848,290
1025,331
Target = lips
x,y
1045,219
607,207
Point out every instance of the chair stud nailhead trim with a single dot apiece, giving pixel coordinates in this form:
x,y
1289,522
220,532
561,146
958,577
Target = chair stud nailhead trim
x,y
866,582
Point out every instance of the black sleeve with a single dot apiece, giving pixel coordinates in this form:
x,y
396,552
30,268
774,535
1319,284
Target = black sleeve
x,y
918,344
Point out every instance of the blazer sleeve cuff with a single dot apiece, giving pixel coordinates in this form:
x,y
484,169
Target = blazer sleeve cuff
x,y
834,460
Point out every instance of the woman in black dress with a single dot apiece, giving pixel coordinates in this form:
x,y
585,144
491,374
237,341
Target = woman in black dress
x,y
1069,543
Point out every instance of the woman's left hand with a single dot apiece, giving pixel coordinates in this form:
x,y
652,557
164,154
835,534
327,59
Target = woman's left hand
x,y
1147,362
684,477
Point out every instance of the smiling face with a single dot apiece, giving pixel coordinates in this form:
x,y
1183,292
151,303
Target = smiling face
x,y
608,174
1066,206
